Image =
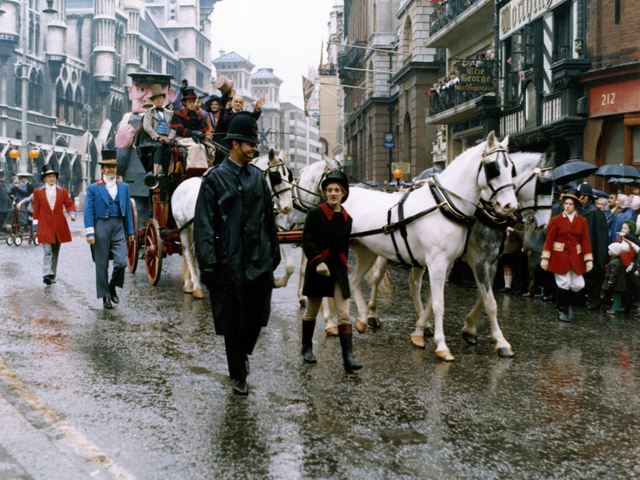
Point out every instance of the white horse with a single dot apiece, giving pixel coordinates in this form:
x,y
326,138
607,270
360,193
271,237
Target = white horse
x,y
431,238
534,191
183,205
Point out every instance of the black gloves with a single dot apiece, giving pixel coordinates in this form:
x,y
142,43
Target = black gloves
x,y
197,136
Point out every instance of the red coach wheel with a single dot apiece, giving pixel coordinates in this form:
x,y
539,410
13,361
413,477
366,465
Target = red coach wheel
x,y
132,248
153,251
35,241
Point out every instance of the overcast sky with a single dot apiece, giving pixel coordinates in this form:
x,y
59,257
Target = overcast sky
x,y
285,35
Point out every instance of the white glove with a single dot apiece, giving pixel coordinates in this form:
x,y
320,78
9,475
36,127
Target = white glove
x,y
323,270
589,265
629,268
544,264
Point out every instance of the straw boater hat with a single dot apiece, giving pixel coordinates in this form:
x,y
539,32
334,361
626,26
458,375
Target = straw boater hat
x,y
156,91
109,157
47,169
225,85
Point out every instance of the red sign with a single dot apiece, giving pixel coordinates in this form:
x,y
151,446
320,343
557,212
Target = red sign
x,y
623,97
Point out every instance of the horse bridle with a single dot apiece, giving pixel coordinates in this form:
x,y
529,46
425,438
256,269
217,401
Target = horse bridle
x,y
297,201
543,187
275,177
492,168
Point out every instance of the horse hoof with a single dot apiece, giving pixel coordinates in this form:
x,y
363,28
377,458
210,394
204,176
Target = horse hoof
x,y
303,303
418,340
186,289
373,322
505,352
428,332
332,331
198,293
469,338
361,327
445,355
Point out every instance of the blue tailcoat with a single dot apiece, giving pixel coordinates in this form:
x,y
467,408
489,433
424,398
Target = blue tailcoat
x,y
97,205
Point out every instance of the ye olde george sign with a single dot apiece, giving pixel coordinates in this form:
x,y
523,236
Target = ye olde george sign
x,y
476,79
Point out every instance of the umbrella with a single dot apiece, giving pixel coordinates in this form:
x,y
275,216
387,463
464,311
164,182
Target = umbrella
x,y
427,173
573,170
622,180
600,193
621,171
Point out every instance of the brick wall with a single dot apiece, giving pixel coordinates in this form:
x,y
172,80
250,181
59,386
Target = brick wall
x,y
609,43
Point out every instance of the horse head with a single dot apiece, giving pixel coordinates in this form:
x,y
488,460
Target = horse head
x,y
279,179
496,173
534,187
307,191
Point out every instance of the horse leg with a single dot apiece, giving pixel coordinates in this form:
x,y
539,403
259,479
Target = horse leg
x,y
186,276
423,328
486,300
186,237
437,276
365,259
289,269
328,313
377,274
303,268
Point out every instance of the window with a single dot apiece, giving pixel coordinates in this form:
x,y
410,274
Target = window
x,y
616,13
561,33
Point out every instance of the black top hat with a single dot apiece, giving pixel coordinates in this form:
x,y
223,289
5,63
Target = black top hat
x,y
47,169
189,93
109,157
212,98
243,126
140,78
572,193
339,177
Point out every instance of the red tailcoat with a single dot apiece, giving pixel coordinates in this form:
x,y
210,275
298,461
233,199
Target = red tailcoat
x,y
52,225
567,245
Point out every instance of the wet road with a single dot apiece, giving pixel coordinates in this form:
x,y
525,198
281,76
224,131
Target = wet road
x,y
142,391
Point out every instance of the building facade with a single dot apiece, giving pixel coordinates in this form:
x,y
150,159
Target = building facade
x,y
72,65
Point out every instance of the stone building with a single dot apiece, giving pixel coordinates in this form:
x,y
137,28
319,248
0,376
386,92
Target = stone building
x,y
74,63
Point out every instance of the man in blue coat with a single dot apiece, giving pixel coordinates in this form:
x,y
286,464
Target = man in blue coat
x,y
107,218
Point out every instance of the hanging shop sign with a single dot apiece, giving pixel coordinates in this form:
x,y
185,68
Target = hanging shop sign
x,y
476,79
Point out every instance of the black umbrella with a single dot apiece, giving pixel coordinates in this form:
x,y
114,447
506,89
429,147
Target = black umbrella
x,y
600,193
626,181
573,170
620,171
423,175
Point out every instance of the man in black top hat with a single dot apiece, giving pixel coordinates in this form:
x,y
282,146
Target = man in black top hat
x,y
108,222
191,127
599,238
236,244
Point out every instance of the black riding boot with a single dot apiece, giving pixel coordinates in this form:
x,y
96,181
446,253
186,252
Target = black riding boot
x,y
346,343
307,340
562,303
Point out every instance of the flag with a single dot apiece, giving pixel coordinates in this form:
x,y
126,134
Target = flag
x,y
522,75
509,61
307,90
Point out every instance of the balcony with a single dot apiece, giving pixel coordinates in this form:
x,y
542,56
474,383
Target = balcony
x,y
352,58
469,15
448,98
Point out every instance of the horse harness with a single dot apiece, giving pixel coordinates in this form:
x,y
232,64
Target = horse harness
x,y
443,203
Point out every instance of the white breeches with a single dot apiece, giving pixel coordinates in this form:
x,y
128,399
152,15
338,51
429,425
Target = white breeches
x,y
570,281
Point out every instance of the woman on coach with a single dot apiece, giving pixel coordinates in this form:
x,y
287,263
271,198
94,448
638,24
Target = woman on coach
x,y
49,223
326,245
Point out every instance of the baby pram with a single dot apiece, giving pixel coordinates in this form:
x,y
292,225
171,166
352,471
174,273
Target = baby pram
x,y
21,224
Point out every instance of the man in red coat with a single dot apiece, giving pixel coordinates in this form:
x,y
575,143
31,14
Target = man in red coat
x,y
567,252
49,222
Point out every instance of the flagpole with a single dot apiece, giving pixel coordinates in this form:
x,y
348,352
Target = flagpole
x,y
308,140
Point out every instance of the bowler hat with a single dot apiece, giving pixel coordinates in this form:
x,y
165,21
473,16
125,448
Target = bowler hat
x,y
585,189
109,157
339,177
156,91
47,169
243,126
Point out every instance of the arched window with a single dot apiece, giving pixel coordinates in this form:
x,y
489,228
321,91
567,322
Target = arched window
x,y
406,139
68,105
33,93
370,79
176,45
60,102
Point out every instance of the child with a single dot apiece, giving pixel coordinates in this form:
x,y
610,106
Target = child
x,y
614,280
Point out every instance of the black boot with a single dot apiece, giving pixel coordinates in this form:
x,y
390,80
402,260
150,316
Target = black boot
x,y
350,364
113,293
562,301
307,340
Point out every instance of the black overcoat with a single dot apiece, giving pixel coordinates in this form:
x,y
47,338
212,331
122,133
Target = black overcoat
x,y
326,239
598,232
615,276
236,244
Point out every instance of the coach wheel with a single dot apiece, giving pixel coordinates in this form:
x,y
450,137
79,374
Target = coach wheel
x,y
17,241
153,251
35,241
10,240
132,248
